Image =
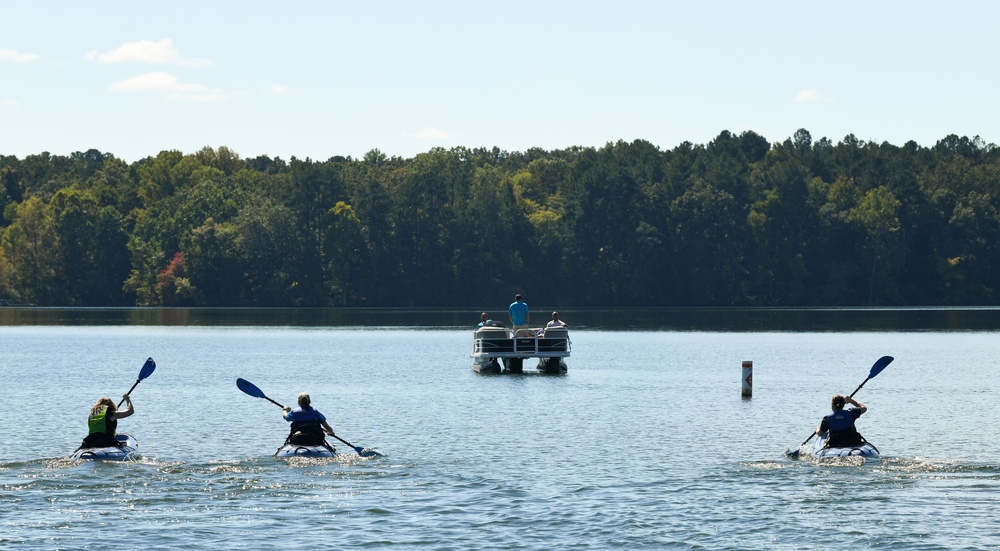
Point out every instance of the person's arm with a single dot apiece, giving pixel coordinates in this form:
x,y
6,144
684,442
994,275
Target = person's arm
x,y
329,430
284,412
129,410
823,427
857,404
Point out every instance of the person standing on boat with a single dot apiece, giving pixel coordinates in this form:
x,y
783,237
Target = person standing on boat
x,y
308,424
840,423
486,320
518,313
103,422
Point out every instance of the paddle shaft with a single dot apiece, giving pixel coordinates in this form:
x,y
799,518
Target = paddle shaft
x,y
859,387
273,402
146,371
356,448
129,393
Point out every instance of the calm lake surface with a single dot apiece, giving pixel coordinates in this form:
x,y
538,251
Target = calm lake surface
x,y
644,443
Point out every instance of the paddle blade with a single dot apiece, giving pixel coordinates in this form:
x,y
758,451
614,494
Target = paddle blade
x,y
367,452
147,369
248,388
880,365
792,453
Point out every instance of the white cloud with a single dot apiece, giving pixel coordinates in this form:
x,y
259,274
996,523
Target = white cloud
x,y
207,97
165,83
277,90
433,134
147,51
157,81
15,56
809,95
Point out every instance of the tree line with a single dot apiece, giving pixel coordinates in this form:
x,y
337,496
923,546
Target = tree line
x,y
739,221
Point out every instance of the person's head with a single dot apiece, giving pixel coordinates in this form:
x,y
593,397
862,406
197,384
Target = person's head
x,y
304,400
838,402
484,316
103,403
517,297
555,316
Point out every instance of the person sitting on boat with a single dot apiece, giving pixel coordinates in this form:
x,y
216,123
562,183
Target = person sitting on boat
x,y
308,424
556,322
840,423
103,423
519,315
486,321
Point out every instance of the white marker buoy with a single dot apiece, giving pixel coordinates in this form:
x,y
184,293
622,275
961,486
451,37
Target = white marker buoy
x,y
747,378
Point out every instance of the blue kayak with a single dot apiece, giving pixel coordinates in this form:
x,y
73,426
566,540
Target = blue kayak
x,y
299,450
126,450
865,449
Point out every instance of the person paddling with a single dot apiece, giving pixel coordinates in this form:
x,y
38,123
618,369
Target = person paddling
x,y
308,424
103,423
840,423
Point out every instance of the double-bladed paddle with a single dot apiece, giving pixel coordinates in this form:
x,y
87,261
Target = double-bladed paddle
x,y
875,370
249,388
146,371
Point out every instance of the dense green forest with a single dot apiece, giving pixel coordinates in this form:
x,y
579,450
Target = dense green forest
x,y
737,222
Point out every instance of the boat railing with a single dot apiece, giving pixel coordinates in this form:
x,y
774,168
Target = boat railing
x,y
525,342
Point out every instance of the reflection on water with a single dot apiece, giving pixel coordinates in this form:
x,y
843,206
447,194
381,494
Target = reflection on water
x,y
635,319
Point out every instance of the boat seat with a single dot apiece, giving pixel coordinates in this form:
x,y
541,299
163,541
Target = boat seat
x,y
492,333
521,333
556,333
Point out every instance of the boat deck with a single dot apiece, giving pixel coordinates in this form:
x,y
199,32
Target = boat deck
x,y
493,345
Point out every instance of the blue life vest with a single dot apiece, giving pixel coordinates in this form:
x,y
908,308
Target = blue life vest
x,y
840,420
306,420
842,430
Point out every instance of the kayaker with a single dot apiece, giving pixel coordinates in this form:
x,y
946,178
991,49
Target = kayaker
x,y
308,424
840,423
103,422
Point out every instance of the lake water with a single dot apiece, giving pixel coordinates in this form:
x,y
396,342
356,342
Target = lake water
x,y
644,443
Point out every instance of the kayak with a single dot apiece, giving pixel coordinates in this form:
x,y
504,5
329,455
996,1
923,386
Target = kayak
x,y
820,451
298,450
127,450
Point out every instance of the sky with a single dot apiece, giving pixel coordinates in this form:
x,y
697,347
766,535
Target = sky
x,y
317,79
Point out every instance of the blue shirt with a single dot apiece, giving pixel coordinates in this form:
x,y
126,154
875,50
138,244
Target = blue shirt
x,y
518,312
298,415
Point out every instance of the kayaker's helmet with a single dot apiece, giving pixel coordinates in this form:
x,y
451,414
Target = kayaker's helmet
x,y
838,402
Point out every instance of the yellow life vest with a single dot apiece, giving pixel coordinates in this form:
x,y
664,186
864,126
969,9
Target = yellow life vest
x,y
100,422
